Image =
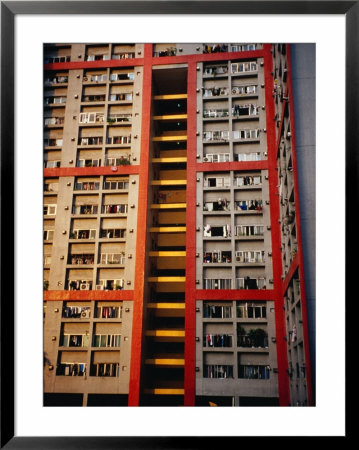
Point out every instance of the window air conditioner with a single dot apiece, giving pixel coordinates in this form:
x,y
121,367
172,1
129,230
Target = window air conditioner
x,y
235,91
100,287
85,313
85,78
84,286
205,159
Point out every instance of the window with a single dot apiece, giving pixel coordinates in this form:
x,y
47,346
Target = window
x,y
48,235
96,140
56,59
217,312
122,76
74,340
244,67
88,163
92,117
250,256
248,181
220,231
98,78
87,186
49,210
85,209
115,185
119,140
246,134
217,283
83,234
115,209
217,257
249,230
251,311
113,258
218,157
110,285
116,233
125,96
106,340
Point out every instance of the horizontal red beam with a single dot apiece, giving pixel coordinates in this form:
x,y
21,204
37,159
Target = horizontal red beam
x,y
61,296
235,165
91,171
233,294
293,267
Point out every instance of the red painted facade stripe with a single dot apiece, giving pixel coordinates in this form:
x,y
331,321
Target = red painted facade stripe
x,y
234,294
137,325
290,274
225,166
62,296
299,236
90,171
190,300
282,357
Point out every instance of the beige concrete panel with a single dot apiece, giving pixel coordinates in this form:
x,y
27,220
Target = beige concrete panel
x,y
106,357
72,357
108,328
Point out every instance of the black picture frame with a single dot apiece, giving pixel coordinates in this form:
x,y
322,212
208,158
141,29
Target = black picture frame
x,y
9,10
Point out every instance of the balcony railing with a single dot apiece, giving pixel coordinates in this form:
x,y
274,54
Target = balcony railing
x,y
254,156
53,142
217,231
88,163
215,70
126,96
106,340
71,369
115,185
115,209
118,118
75,312
221,283
54,100
94,98
248,205
85,209
252,372
217,340
244,68
52,164
96,140
217,257
215,113
120,161
215,92
54,121
217,312
83,234
105,370
219,205
249,230
250,283
216,157
245,110
250,256
116,233
122,76
55,80
245,90
217,371
251,311
120,140
128,55
74,340
83,259
87,186
79,285
112,258
245,135
109,312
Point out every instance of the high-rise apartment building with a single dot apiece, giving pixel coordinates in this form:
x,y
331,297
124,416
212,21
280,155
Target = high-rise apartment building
x,y
173,262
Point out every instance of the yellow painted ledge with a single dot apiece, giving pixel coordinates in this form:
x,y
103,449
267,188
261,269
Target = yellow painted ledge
x,y
168,182
169,206
166,305
166,279
171,117
179,137
161,391
165,362
165,333
170,96
167,253
178,159
167,229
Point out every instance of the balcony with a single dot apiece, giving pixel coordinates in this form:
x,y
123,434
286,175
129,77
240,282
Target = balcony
x,y
249,206
57,101
217,231
53,142
253,156
215,48
79,285
54,121
219,257
215,71
219,371
75,312
56,80
71,369
220,205
102,57
83,234
252,372
244,68
122,77
85,209
221,283
81,259
251,311
215,113
52,164
128,55
217,312
84,141
217,340
110,285
109,312
114,209
120,161
113,258
254,338
115,233
118,140
74,340
105,370
56,59
246,135
250,283
245,111
249,231
250,257
92,118
215,92
119,119
106,340
88,163
245,91
87,186
125,97
215,136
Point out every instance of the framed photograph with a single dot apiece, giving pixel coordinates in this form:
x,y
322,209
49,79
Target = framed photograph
x,y
167,172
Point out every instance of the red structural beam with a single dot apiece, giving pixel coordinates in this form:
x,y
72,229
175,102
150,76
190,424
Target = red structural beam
x,y
61,296
91,171
299,236
282,357
190,299
139,291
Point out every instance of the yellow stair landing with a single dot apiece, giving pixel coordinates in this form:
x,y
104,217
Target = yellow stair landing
x,y
165,391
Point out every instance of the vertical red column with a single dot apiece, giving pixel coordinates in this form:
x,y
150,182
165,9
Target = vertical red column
x,y
137,325
190,298
282,357
299,234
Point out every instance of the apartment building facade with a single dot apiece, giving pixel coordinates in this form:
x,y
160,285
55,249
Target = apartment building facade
x,y
173,266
